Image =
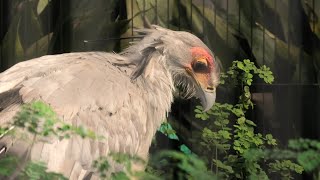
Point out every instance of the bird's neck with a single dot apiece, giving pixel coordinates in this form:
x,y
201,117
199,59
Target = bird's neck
x,y
158,84
155,84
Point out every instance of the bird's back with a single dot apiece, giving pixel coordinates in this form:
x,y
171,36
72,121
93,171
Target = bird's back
x,y
90,89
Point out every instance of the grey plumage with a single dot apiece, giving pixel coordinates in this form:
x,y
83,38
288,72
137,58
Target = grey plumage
x,y
123,97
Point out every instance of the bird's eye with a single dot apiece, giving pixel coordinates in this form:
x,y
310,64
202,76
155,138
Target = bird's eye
x,y
200,67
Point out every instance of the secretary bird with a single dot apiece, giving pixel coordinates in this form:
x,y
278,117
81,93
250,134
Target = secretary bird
x,y
124,97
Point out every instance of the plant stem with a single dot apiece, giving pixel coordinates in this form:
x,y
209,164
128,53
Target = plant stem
x,y
216,151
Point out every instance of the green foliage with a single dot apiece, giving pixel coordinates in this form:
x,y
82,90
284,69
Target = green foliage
x,y
39,119
309,159
242,73
119,176
7,165
163,165
102,166
304,144
185,149
167,130
276,160
177,165
308,154
126,160
29,171
229,138
105,170
285,167
32,114
3,130
37,171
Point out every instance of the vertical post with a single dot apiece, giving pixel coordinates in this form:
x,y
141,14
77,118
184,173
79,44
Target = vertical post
x,y
168,13
251,28
239,25
131,19
61,25
1,33
263,62
227,22
49,23
179,10
191,26
156,11
215,20
203,19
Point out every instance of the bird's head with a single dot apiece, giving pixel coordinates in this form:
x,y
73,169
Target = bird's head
x,y
202,74
194,68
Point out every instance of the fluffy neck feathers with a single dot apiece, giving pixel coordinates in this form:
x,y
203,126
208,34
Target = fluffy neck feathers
x,y
156,81
153,76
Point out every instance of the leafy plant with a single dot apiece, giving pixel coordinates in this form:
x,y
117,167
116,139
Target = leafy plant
x,y
177,165
38,119
38,170
307,153
228,139
9,165
168,131
106,171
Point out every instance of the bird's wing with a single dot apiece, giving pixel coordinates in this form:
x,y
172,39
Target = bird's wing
x,y
83,89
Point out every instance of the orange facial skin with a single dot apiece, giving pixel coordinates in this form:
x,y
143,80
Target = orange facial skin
x,y
200,54
201,68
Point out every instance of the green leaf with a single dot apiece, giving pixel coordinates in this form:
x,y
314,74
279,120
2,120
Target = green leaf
x,y
200,108
183,148
225,134
237,112
240,65
167,130
119,176
249,75
250,123
309,160
284,167
271,140
38,170
198,116
8,165
241,120
221,165
186,166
